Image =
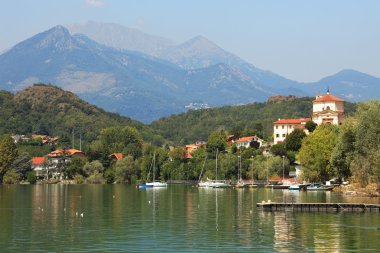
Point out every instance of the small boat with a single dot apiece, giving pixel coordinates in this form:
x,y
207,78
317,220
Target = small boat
x,y
297,187
153,183
213,183
318,187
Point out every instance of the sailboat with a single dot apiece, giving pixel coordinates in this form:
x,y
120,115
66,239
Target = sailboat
x,y
153,183
240,183
213,183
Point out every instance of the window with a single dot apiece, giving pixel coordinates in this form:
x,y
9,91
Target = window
x,y
283,135
283,127
290,126
276,127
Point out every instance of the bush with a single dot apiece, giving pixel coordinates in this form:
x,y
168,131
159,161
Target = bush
x,y
95,178
11,177
31,177
109,176
78,179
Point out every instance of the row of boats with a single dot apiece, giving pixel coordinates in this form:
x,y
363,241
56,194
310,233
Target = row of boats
x,y
240,184
225,184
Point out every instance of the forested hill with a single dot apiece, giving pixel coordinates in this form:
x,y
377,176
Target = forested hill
x,y
46,109
248,119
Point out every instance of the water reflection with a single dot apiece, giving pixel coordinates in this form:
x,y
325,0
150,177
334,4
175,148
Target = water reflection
x,y
175,219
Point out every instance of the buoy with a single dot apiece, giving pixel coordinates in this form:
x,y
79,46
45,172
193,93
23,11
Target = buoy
x,y
149,201
64,209
81,215
250,211
76,213
113,196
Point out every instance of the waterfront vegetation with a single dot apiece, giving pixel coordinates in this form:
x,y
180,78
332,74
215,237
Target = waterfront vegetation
x,y
349,151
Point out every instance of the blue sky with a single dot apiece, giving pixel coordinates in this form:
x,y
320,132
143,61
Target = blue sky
x,y
301,40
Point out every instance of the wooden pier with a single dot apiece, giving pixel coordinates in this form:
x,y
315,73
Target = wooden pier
x,y
319,207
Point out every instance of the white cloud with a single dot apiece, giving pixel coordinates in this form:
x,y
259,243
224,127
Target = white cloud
x,y
95,3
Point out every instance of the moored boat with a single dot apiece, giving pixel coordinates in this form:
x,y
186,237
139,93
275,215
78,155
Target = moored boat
x,y
153,183
318,187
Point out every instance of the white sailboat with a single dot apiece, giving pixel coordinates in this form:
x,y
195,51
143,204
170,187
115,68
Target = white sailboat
x,y
154,183
214,183
240,183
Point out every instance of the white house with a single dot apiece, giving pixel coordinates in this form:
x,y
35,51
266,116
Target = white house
x,y
246,141
283,127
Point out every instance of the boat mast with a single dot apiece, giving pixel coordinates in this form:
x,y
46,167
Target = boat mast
x,y
216,166
154,164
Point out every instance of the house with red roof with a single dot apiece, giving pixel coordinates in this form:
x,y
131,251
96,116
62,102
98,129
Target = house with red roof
x,y
115,157
248,141
327,109
283,127
39,165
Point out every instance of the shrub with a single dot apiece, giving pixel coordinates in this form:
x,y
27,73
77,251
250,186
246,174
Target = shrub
x,y
31,177
11,177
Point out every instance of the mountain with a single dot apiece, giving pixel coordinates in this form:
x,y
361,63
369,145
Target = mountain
x,y
130,83
196,53
195,74
46,109
121,37
349,84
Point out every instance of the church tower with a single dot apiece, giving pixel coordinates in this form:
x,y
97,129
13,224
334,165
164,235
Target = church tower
x,y
328,109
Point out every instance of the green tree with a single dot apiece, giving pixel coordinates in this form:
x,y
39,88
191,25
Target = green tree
x,y
316,151
126,170
343,152
294,139
216,141
22,164
8,153
31,177
93,167
74,167
311,126
278,149
11,177
366,166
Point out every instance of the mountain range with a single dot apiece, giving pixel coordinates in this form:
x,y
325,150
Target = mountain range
x,y
147,77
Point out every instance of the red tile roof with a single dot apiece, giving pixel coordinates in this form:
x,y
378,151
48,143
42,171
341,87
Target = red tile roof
x,y
292,121
67,152
328,98
38,160
244,139
118,156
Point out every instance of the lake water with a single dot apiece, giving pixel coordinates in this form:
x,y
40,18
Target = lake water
x,y
122,218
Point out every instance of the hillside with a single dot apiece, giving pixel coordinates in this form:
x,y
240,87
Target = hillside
x,y
256,118
46,109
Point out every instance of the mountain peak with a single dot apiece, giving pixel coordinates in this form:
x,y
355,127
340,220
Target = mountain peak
x,y
201,42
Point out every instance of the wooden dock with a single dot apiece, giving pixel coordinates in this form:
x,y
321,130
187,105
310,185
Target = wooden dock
x,y
319,207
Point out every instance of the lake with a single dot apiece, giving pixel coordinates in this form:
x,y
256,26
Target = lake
x,y
122,218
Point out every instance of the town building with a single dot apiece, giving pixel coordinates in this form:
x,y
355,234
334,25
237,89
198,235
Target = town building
x,y
249,141
283,127
327,109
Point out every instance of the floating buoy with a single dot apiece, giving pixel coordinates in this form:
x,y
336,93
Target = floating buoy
x,y
149,201
113,196
76,213
250,211
81,215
